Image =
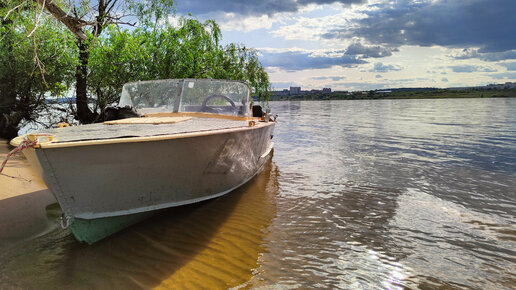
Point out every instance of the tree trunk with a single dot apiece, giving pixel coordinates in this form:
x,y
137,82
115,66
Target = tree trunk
x,y
75,25
84,114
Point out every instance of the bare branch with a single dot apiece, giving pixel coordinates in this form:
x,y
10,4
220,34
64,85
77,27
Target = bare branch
x,y
9,12
118,20
36,21
74,24
126,23
109,8
36,60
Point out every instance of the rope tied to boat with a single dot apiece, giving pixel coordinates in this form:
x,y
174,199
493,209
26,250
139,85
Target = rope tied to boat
x,y
26,143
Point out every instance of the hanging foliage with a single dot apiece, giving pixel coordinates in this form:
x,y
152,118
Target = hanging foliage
x,y
97,46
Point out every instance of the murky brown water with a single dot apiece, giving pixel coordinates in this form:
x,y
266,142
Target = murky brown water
x,y
359,194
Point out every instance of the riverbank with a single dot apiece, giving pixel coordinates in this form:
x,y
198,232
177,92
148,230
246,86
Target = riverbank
x,y
400,94
23,199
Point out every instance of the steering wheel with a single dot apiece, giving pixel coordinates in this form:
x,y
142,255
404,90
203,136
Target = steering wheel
x,y
207,109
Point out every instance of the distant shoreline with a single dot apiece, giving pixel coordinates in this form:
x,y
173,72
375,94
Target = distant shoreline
x,y
400,94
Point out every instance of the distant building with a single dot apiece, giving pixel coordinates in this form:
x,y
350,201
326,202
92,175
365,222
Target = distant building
x,y
507,85
295,90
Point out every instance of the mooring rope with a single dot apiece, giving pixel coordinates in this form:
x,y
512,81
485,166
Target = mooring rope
x,y
26,143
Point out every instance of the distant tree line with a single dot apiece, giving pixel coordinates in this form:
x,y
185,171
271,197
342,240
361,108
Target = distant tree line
x,y
94,47
404,93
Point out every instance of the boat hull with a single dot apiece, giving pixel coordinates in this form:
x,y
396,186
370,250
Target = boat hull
x,y
94,230
103,188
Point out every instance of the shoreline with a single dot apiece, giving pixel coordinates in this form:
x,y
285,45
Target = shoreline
x,y
23,200
392,98
399,95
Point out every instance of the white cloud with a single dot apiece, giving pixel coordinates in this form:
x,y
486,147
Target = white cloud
x,y
307,44
235,22
311,28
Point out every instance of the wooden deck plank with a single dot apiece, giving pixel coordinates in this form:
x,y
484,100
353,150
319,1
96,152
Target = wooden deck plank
x,y
149,120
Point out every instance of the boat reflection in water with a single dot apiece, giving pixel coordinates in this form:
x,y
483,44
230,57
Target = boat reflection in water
x,y
214,244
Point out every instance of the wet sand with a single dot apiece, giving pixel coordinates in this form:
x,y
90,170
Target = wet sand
x,y
23,199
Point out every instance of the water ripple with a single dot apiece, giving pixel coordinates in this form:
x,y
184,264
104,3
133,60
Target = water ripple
x,y
395,194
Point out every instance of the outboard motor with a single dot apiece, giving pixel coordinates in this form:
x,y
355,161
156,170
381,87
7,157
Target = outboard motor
x,y
257,111
117,113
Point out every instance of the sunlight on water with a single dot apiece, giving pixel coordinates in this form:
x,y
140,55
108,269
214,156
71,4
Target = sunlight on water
x,y
376,194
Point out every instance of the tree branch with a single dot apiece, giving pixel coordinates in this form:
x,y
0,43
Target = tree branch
x,y
117,20
9,12
109,8
74,24
36,21
38,63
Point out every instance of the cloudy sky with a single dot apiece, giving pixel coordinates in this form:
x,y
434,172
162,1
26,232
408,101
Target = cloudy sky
x,y
371,44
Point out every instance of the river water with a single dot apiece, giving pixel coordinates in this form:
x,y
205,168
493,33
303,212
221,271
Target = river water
x,y
358,195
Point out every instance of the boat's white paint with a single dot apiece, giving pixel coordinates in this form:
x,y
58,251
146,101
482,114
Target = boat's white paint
x,y
170,204
144,174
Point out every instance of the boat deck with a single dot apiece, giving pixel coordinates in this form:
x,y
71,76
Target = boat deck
x,y
103,131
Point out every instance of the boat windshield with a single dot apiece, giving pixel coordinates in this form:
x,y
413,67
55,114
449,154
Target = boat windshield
x,y
188,95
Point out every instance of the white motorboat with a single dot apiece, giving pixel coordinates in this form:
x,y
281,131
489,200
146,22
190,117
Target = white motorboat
x,y
194,139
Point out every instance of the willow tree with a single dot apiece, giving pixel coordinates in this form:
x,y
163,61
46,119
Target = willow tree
x,y
86,20
111,47
241,63
190,49
30,68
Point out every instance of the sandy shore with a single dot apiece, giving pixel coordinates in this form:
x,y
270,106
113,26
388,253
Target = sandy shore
x,y
23,199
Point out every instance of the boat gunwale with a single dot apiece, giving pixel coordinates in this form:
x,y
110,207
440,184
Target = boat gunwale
x,y
51,145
